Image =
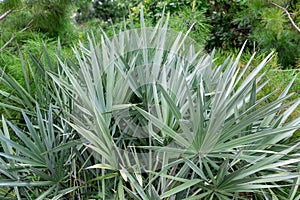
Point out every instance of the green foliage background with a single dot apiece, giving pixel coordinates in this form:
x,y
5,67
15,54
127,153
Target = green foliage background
x,y
226,24
52,44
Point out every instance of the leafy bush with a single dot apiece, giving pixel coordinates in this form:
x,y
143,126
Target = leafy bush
x,y
227,24
156,120
184,16
279,36
227,32
112,11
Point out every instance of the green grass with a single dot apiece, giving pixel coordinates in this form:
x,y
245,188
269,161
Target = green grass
x,y
279,79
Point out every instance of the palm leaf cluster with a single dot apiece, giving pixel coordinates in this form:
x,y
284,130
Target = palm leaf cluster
x,y
146,115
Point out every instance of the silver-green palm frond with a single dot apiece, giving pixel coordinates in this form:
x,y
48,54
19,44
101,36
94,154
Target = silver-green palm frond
x,y
148,100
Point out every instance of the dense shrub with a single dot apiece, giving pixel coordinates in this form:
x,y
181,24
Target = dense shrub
x,y
227,24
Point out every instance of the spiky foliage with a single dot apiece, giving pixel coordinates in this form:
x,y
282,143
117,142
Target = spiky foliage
x,y
159,120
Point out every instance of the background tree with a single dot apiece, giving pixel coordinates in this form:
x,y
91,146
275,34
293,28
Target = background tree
x,y
26,25
113,11
47,16
84,11
271,29
50,16
265,26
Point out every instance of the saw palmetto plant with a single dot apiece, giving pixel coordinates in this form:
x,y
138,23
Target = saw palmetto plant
x,y
147,115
